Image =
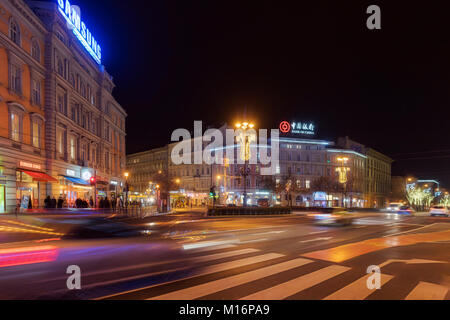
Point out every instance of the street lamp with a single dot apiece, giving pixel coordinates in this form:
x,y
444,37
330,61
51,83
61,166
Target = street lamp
x,y
342,171
126,174
157,197
244,140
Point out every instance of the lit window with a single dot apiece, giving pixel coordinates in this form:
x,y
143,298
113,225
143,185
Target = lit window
x,y
72,148
36,135
15,127
60,141
307,184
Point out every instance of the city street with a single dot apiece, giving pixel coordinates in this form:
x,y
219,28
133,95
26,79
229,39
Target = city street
x,y
186,255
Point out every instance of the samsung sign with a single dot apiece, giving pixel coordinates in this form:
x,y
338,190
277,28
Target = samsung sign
x,y
73,18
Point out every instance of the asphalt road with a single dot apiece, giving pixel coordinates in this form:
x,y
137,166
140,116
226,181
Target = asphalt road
x,y
189,256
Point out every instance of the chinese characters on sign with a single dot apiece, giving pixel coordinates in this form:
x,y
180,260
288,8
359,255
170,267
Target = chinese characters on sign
x,y
305,128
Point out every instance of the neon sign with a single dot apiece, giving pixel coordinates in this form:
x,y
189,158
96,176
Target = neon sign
x,y
307,128
73,18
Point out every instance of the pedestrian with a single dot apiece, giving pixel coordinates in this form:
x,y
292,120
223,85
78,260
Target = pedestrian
x,y
101,203
113,203
53,203
47,202
60,202
30,205
91,202
106,203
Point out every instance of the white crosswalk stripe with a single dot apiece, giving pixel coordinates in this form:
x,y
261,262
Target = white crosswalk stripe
x,y
296,285
299,281
233,281
358,289
427,291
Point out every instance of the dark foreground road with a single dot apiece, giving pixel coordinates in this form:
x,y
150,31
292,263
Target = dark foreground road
x,y
189,256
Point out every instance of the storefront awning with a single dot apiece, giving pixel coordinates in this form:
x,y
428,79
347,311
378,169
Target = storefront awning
x,y
77,180
39,176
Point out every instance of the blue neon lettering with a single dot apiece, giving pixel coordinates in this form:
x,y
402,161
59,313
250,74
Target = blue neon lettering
x,y
83,34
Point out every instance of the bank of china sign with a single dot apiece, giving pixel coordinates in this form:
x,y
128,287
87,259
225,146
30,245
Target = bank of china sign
x,y
73,18
306,128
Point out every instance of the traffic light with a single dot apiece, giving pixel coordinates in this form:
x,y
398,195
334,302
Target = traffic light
x,y
92,180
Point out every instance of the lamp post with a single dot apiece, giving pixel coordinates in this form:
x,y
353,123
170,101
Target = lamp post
x,y
342,170
126,174
157,198
245,152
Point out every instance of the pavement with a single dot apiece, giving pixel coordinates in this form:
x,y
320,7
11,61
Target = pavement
x,y
187,255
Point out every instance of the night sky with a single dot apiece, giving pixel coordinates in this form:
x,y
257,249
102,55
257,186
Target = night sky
x,y
178,61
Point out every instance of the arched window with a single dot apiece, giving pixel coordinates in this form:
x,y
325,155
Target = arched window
x,y
36,50
14,31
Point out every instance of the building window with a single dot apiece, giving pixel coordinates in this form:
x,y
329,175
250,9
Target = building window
x,y
15,126
83,152
35,92
15,79
60,67
72,148
36,130
60,36
73,114
36,50
307,184
60,142
14,32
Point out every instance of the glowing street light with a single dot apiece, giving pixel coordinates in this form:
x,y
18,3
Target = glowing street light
x,y
244,140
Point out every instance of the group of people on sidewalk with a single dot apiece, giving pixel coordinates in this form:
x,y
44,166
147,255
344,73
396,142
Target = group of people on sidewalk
x,y
103,203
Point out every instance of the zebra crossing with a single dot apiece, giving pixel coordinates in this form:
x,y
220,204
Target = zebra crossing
x,y
215,276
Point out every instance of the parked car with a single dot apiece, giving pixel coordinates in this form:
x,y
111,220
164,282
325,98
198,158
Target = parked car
x,y
439,211
333,216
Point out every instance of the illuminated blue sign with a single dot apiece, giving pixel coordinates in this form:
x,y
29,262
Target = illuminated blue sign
x,y
73,18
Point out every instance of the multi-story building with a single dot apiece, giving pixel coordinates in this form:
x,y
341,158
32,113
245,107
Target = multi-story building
x,y
318,173
377,173
61,124
143,166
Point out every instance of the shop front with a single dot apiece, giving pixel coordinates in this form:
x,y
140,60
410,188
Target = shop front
x,y
31,185
73,188
2,191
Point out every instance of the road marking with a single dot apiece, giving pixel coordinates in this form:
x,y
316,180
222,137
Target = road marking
x,y
357,290
410,261
395,234
291,287
356,249
209,257
223,246
251,241
269,232
316,232
316,239
427,291
229,282
213,269
203,244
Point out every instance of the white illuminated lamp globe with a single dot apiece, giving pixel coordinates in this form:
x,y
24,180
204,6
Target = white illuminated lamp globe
x,y
86,175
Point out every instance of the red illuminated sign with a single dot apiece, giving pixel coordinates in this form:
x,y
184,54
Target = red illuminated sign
x,y
285,127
